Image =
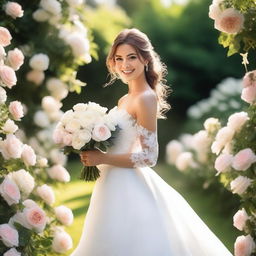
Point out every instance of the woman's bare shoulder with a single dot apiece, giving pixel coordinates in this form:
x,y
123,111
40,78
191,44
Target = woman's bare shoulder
x,y
146,97
121,99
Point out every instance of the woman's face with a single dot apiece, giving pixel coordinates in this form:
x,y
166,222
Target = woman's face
x,y
128,65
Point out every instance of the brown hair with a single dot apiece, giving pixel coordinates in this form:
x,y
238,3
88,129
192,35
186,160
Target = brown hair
x,y
156,69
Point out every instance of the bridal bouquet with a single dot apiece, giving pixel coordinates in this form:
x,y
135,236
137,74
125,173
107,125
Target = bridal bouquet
x,y
86,127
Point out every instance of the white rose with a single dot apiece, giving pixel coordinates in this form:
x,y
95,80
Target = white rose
x,y
24,180
58,157
67,117
2,52
212,124
201,141
80,139
78,43
41,119
184,161
50,104
41,15
73,126
223,163
11,147
3,95
59,173
64,215
239,219
62,242
39,62
237,120
240,185
58,89
42,162
10,191
52,6
80,107
95,107
46,193
28,155
9,127
173,150
244,246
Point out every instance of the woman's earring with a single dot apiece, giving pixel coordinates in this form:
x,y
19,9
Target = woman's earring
x,y
146,67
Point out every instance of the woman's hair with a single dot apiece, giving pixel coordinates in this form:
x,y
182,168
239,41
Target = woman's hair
x,y
156,69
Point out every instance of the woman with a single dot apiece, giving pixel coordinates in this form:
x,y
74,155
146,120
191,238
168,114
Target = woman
x,y
133,212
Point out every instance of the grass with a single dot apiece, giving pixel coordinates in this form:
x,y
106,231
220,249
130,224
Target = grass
x,y
77,193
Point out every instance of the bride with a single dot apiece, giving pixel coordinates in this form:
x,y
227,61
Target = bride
x,y
133,212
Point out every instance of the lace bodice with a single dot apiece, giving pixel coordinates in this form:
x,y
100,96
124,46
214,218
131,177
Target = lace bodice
x,y
134,139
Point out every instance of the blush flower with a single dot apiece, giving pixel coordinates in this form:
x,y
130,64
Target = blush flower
x,y
173,149
15,58
240,218
249,79
184,161
244,246
3,95
35,76
64,215
7,76
5,37
10,191
100,132
223,163
230,21
12,252
240,185
11,147
249,94
237,120
14,10
39,62
9,127
16,110
46,193
62,241
9,235
59,173
243,159
28,155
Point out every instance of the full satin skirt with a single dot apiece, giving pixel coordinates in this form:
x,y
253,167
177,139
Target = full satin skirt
x,y
134,212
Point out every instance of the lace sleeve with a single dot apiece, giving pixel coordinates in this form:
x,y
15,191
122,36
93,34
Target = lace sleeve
x,y
149,152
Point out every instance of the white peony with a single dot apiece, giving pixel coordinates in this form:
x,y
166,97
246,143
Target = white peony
x,y
39,62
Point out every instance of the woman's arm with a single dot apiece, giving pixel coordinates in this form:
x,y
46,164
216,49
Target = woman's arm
x,y
146,109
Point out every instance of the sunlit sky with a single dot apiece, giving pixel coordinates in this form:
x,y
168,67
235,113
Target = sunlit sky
x,y
164,2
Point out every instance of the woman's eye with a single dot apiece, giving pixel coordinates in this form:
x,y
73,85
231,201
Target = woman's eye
x,y
133,57
118,59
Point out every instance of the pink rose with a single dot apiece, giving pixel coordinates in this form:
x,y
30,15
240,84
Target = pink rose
x,y
15,58
249,94
62,242
237,120
240,185
9,127
249,79
100,132
9,235
5,37
243,159
223,162
11,147
46,193
16,110
214,11
35,76
7,76
59,173
244,246
239,219
12,252
32,218
10,191
14,10
230,21
64,215
28,155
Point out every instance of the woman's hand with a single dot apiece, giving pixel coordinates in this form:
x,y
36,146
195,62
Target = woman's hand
x,y
91,157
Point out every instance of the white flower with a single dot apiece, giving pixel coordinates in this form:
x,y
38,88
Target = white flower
x,y
244,159
80,107
10,191
58,157
28,155
81,138
62,241
59,173
244,246
74,3
46,193
42,162
39,62
9,235
64,215
41,119
3,95
50,104
67,117
12,252
223,163
173,150
41,15
73,126
10,127
214,11
52,6
240,218
58,89
2,52
24,180
212,124
201,141
35,76
78,43
11,147
237,120
240,185
184,161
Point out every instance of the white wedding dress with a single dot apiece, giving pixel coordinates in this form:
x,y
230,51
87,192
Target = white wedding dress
x,y
134,212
